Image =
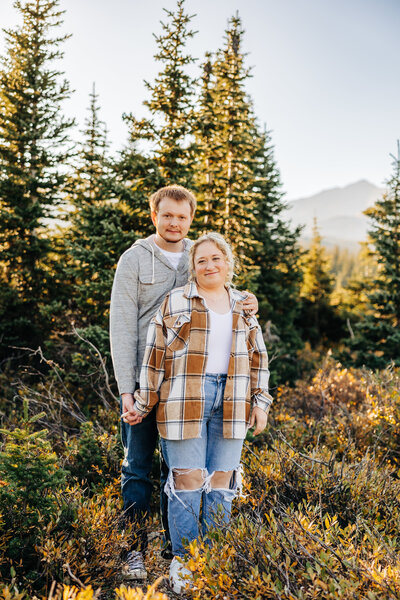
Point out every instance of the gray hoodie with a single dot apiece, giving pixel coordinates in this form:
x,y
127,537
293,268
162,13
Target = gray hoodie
x,y
143,278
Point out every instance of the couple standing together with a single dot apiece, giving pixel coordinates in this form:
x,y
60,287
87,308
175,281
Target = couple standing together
x,y
191,365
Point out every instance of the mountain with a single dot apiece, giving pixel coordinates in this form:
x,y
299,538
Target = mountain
x,y
339,213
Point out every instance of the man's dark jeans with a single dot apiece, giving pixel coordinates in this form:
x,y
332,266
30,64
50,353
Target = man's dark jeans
x,y
139,442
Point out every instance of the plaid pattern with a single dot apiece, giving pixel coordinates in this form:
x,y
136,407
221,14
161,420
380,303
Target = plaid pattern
x,y
174,367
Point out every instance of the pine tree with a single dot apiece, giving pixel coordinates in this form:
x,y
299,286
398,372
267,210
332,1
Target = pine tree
x,y
229,143
238,187
33,146
101,228
30,476
377,337
319,321
137,176
277,257
357,282
317,280
169,128
206,169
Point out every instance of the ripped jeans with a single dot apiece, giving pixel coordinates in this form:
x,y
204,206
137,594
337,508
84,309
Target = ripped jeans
x,y
210,453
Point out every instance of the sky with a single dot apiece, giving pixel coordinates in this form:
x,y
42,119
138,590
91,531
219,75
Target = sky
x,y
325,75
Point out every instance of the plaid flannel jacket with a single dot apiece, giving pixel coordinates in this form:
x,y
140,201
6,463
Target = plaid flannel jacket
x,y
174,367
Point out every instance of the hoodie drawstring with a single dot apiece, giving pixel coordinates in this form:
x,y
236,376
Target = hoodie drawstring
x,y
139,243
152,263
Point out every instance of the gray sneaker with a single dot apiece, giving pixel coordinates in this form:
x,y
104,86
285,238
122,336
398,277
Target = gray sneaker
x,y
134,566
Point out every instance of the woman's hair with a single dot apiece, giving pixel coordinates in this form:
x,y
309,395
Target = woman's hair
x,y
222,244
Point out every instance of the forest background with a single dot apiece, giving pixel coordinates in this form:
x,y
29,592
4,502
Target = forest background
x,y
331,323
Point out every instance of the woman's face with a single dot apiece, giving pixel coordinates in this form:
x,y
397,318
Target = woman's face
x,y
210,266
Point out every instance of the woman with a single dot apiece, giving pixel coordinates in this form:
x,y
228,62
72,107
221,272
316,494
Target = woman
x,y
206,368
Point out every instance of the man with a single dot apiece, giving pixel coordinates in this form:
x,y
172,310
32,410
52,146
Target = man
x,y
145,274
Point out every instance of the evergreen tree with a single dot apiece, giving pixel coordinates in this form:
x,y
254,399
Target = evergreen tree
x,y
168,130
137,176
343,265
206,168
356,281
239,194
30,475
317,281
318,319
277,258
33,146
377,337
229,144
101,228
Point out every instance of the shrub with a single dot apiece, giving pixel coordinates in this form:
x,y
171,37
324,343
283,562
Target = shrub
x,y
321,514
7,593
85,538
29,477
310,527
94,456
347,410
320,519
121,593
66,592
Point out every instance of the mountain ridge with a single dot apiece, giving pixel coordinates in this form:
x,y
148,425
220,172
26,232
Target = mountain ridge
x,y
338,210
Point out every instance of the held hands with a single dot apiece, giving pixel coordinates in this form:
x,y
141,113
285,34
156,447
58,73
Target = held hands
x,y
258,419
250,305
129,415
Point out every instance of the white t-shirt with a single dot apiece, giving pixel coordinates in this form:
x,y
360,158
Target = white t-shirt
x,y
220,342
173,257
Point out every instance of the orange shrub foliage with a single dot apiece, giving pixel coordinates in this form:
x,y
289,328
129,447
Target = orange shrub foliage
x,y
121,593
309,527
350,411
321,516
86,536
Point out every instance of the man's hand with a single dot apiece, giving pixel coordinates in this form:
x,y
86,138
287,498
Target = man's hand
x,y
129,415
258,418
250,304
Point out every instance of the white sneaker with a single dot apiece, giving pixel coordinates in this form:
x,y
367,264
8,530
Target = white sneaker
x,y
134,567
178,575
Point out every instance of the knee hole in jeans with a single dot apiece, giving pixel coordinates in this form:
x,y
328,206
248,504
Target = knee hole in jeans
x,y
223,480
188,479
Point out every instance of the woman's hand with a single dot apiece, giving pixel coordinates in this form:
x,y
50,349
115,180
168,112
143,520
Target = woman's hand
x,y
129,414
258,418
250,305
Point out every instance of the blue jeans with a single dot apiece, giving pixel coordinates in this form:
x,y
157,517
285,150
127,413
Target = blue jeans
x,y
139,442
209,453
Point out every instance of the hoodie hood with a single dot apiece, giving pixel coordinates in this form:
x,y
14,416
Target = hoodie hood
x,y
150,245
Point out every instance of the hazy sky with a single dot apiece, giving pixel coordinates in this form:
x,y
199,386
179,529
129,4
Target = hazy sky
x,y
325,75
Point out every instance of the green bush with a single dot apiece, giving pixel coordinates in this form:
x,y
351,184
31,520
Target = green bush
x,y
30,475
93,457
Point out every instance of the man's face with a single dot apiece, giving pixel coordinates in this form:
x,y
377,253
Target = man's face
x,y
172,220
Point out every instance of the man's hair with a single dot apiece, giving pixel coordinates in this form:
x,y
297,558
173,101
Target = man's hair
x,y
176,192
221,244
